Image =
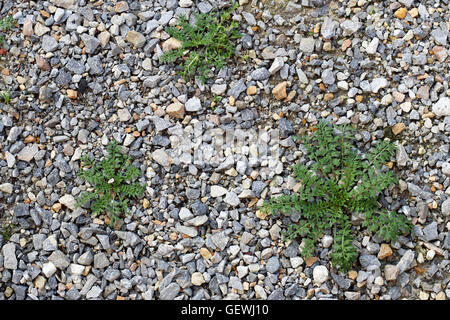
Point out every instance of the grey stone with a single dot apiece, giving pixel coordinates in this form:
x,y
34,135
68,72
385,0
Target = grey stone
x,y
160,124
328,76
440,36
9,256
237,89
49,44
73,294
59,259
430,231
220,240
95,65
91,43
367,260
86,258
170,292
260,74
75,66
447,241
445,207
232,199
14,133
152,81
235,283
406,261
21,210
111,274
258,187
273,265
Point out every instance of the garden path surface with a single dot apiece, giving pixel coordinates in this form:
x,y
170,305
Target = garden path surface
x,y
197,233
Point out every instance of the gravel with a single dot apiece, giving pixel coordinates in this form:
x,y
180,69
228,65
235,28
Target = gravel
x,y
83,73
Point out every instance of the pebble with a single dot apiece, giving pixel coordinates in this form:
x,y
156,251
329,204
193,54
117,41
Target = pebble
x,y
9,256
320,274
193,105
442,107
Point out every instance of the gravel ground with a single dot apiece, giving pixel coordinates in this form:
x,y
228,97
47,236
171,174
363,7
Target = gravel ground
x,y
196,233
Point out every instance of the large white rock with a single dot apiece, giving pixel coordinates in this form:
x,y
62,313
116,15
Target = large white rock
x,y
218,191
442,107
68,201
320,274
349,27
193,104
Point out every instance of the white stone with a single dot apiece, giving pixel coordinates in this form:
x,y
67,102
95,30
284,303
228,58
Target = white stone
x,y
185,3
378,83
296,262
349,27
343,85
232,199
373,46
320,274
446,168
147,64
68,201
185,214
307,45
124,115
193,105
442,107
10,159
277,64
219,89
445,207
218,191
48,269
6,187
161,157
76,269
327,240
260,293
197,279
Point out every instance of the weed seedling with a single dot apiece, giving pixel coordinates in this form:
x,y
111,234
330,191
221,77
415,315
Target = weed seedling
x,y
6,96
6,24
7,231
205,44
112,180
336,183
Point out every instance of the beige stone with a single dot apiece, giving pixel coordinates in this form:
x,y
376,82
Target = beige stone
x,y
175,110
400,13
72,94
279,92
440,53
205,253
398,128
385,251
197,279
104,37
251,90
137,39
171,44
27,28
